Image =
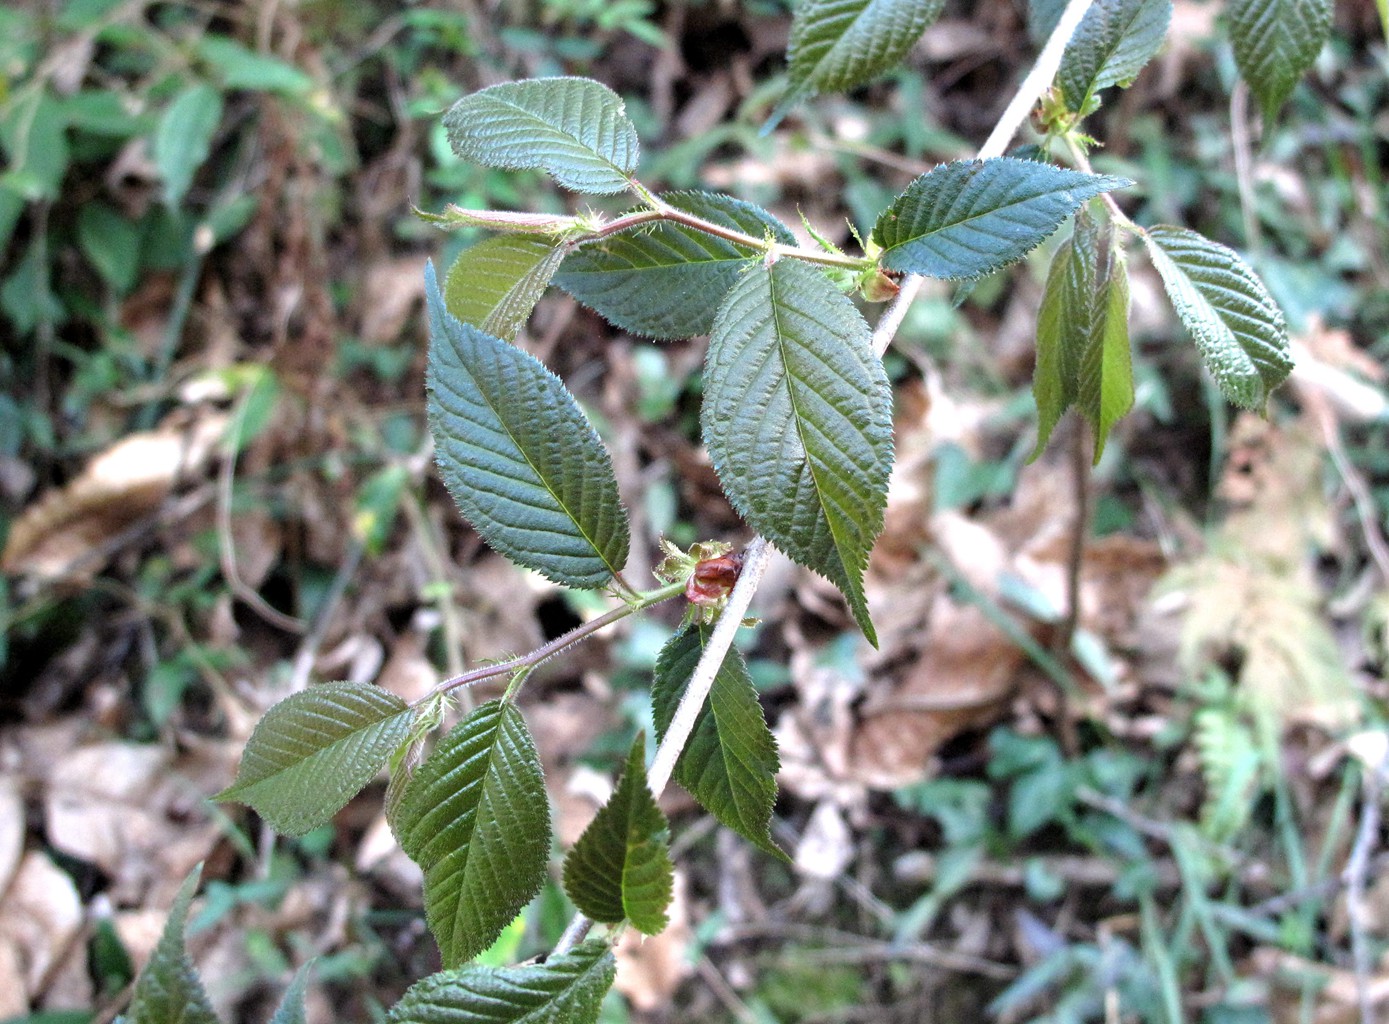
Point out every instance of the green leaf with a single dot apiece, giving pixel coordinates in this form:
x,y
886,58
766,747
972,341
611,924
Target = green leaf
x,y
33,133
971,217
183,139
168,990
797,417
495,285
730,763
1042,18
565,989
574,129
519,458
476,819
1113,42
315,750
1238,328
839,44
291,1008
1064,325
666,280
1106,371
620,867
111,244
1275,42
240,68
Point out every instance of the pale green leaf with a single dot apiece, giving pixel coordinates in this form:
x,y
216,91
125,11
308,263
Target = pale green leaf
x,y
476,819
797,417
730,763
574,129
972,217
1113,42
666,280
1042,18
837,45
495,285
1064,324
565,989
523,463
291,1008
168,990
1237,326
620,867
1106,371
183,138
242,68
1275,43
315,750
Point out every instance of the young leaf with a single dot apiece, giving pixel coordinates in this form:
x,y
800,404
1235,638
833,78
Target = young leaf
x,y
666,280
730,763
565,989
1113,42
971,217
1275,42
476,819
574,129
839,44
1064,325
1238,328
519,458
495,284
168,990
183,139
798,420
315,750
1106,372
620,868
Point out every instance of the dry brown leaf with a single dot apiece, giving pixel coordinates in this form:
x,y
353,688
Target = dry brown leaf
x,y
649,970
40,918
391,292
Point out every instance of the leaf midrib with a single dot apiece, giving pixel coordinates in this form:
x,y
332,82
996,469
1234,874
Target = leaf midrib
x,y
563,134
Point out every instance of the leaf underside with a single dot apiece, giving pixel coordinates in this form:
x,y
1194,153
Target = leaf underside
x,y
797,419
495,285
730,763
666,280
972,217
620,868
1275,43
574,129
1113,42
291,1008
523,463
168,990
315,750
1238,328
565,989
476,819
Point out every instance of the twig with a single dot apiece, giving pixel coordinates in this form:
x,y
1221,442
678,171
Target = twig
x,y
1356,873
1244,165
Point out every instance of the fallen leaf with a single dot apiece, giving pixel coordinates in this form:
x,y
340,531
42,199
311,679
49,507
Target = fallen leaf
x,y
650,969
40,917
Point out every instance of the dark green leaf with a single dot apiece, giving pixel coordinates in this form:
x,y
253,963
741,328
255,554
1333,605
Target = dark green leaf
x,y
1064,325
972,217
183,139
168,990
519,458
574,129
495,285
476,819
565,989
1113,42
730,762
315,750
1275,42
1106,372
839,44
620,868
666,280
798,420
111,244
1238,328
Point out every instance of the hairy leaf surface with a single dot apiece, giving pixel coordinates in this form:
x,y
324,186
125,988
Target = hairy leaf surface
x,y
315,750
839,44
1237,326
168,990
1064,325
730,763
666,280
798,420
495,285
519,458
1113,42
1106,371
291,1008
972,217
574,129
620,867
1276,42
565,989
476,819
